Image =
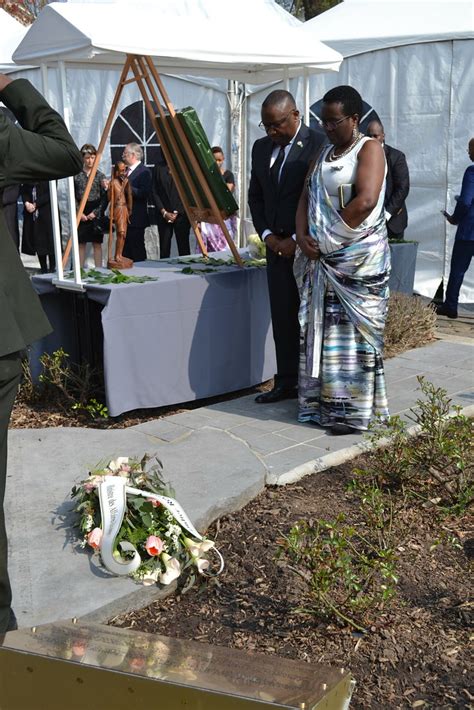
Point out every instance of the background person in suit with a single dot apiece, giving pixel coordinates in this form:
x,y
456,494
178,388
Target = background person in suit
x,y
280,162
397,184
37,236
170,214
43,151
463,250
140,181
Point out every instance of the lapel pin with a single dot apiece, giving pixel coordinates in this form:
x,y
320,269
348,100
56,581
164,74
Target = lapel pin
x,y
300,144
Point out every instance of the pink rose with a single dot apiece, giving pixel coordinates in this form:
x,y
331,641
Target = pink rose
x,y
155,503
94,538
154,546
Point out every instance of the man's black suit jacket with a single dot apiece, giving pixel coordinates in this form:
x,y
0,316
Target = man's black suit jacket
x,y
396,190
165,194
275,208
140,182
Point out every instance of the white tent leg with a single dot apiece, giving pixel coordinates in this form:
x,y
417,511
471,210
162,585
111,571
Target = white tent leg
x,y
53,195
70,187
306,97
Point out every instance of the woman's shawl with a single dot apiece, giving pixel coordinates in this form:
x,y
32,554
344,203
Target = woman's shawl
x,y
358,271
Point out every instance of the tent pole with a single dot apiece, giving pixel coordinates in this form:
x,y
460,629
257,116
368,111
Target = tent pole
x,y
70,184
53,195
103,140
306,96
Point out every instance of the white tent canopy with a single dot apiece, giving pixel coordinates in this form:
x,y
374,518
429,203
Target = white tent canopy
x,y
412,62
357,26
207,37
11,32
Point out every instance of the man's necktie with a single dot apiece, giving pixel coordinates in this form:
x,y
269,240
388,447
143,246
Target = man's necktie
x,y
275,169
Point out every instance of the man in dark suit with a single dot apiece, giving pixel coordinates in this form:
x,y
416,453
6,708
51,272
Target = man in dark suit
x,y
397,184
280,162
463,249
43,151
139,177
170,214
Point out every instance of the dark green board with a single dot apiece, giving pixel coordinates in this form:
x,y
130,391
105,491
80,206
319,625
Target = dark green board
x,y
199,143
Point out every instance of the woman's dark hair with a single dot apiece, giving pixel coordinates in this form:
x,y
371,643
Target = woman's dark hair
x,y
349,97
88,148
217,149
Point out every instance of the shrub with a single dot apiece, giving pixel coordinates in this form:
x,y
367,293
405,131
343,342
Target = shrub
x,y
410,324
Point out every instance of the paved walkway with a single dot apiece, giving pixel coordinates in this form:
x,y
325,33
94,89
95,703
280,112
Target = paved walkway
x,y
217,458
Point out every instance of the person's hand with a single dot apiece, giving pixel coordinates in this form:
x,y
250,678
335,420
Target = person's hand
x,y
4,81
273,243
447,216
172,216
83,218
286,247
308,246
90,216
30,207
105,183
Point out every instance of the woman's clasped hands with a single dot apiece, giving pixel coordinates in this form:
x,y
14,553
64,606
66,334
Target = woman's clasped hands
x,y
308,246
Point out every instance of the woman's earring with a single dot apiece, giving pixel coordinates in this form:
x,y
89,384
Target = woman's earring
x,y
355,132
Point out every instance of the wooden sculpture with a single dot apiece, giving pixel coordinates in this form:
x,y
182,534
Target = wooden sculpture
x,y
120,208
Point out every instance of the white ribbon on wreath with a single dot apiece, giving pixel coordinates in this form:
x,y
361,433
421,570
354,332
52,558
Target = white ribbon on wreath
x,y
113,492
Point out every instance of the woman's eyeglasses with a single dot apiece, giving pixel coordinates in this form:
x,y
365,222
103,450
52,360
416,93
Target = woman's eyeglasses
x,y
333,124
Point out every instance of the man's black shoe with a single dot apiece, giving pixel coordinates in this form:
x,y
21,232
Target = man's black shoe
x,y
443,310
341,429
276,394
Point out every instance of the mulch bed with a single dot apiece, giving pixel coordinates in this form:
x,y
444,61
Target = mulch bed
x,y
415,653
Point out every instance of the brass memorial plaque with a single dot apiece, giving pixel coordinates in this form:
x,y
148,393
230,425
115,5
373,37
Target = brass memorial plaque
x,y
66,666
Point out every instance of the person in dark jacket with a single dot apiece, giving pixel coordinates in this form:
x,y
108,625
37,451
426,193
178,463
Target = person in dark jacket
x,y
170,214
280,162
139,177
397,184
44,150
37,236
463,249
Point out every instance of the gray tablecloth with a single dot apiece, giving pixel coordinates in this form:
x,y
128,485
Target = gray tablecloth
x,y
180,338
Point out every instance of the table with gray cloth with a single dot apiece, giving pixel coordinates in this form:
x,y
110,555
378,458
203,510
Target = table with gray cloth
x,y
180,338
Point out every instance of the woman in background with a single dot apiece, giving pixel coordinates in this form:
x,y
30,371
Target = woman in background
x,y
212,234
90,229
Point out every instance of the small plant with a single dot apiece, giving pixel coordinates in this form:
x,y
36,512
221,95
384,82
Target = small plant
x,y
68,386
95,409
409,324
347,576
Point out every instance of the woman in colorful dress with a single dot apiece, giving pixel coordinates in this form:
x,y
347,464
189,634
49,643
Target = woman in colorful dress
x,y
212,234
90,227
342,267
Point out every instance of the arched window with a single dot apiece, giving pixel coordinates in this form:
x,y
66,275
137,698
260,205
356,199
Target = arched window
x,y
133,125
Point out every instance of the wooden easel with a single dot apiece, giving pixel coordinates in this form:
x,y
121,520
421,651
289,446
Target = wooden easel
x,y
151,87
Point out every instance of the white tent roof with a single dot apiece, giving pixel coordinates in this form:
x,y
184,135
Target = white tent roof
x,y
254,41
11,32
358,26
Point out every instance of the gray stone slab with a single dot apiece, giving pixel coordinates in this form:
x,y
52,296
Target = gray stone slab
x,y
301,433
212,473
441,350
289,459
163,429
